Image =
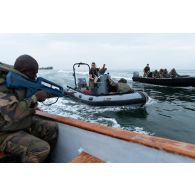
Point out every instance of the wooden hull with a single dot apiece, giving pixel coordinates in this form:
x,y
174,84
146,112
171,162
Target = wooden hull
x,y
176,82
115,145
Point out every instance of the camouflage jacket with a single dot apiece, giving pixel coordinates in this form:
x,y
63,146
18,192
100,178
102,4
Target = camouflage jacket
x,y
16,111
124,87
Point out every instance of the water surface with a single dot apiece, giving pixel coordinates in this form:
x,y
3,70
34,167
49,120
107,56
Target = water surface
x,y
169,113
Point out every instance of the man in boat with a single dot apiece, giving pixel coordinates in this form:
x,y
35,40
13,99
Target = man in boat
x,y
23,134
173,73
165,73
156,74
161,72
123,87
146,70
94,73
112,86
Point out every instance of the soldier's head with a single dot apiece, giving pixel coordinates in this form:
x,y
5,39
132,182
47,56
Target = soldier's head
x,y
27,65
93,65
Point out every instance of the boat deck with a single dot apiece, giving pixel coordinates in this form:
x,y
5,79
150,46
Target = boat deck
x,y
81,141
113,144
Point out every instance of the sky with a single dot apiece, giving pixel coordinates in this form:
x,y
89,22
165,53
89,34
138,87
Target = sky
x,y
116,50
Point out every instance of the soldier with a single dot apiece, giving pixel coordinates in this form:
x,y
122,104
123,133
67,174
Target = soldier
x,y
146,70
94,72
173,73
22,133
161,72
165,73
123,87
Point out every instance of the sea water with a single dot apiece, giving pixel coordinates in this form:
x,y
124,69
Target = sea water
x,y
170,112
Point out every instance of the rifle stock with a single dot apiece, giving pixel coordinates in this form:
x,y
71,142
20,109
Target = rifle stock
x,y
14,80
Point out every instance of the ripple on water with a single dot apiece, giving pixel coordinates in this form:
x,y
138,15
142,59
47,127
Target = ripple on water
x,y
168,113
69,108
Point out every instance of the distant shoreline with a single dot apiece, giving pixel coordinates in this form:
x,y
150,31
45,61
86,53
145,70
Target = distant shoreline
x,y
46,68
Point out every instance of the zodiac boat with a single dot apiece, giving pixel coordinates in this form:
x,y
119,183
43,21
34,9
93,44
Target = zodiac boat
x,y
82,142
102,97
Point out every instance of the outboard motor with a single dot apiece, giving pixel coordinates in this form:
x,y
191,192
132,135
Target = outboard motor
x,y
82,83
136,74
102,85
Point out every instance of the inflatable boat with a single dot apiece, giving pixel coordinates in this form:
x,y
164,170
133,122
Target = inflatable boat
x,y
100,95
180,81
85,142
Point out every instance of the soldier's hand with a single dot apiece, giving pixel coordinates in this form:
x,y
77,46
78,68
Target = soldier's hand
x,y
41,96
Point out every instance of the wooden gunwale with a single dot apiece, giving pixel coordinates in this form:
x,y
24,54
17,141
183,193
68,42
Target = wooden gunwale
x,y
159,143
86,158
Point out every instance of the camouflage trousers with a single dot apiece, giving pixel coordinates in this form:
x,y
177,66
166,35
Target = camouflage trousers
x,y
33,144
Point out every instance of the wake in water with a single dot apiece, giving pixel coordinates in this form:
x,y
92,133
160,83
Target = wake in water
x,y
151,101
102,115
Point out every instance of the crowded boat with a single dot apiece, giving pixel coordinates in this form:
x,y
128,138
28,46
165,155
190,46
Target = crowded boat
x,y
164,77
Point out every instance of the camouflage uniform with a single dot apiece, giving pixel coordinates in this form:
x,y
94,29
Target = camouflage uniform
x,y
173,73
123,87
21,133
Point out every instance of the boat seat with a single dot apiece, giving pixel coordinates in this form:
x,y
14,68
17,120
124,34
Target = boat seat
x,y
84,157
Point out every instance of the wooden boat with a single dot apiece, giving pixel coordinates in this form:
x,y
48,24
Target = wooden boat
x,y
181,81
81,141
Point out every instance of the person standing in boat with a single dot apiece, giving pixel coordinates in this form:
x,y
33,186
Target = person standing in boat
x,y
23,134
94,72
146,70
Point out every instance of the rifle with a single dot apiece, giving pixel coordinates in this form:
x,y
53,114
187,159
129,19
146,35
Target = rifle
x,y
16,81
